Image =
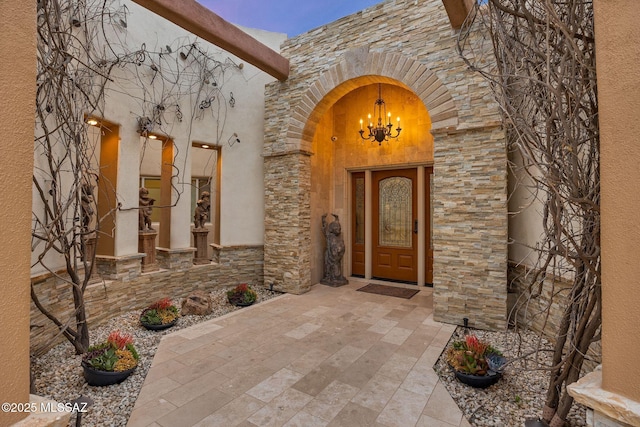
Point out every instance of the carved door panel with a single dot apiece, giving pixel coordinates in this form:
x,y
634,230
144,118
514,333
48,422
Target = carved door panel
x,y
395,225
357,224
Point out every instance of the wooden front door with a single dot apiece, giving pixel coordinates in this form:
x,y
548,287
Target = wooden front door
x,y
395,220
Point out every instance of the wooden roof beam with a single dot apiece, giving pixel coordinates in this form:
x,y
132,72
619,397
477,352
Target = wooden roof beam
x,y
457,11
205,24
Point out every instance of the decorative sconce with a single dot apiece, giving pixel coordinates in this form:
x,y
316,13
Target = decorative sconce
x,y
380,132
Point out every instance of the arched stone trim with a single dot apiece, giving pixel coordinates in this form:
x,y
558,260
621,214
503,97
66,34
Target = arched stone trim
x,y
359,67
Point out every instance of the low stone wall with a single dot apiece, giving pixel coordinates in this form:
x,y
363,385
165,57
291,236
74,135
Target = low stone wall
x,y
110,298
543,313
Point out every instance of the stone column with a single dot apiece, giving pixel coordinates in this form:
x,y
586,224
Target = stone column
x,y
147,246
202,248
470,227
287,239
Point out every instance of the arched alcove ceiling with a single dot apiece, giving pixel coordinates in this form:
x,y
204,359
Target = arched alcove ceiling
x,y
358,69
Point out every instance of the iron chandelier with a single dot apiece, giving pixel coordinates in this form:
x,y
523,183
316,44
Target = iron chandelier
x,y
381,132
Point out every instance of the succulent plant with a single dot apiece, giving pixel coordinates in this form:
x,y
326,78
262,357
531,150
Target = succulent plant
x,y
496,362
160,313
242,294
115,354
473,356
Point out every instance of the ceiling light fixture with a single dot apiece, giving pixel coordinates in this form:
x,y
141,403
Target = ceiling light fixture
x,y
92,122
381,132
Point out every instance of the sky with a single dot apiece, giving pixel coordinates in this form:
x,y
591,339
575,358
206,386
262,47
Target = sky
x,y
292,17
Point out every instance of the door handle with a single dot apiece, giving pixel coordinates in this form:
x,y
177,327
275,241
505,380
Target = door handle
x,y
415,226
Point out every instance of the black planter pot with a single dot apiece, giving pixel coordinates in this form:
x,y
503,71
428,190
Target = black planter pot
x,y
161,327
478,381
239,303
99,378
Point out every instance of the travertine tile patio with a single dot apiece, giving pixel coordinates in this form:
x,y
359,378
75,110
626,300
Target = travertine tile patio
x,y
330,357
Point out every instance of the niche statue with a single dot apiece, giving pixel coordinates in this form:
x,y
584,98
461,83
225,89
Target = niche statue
x,y
146,206
87,203
201,215
333,253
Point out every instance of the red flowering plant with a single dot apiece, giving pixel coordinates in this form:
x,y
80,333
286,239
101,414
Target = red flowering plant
x,y
475,357
161,312
116,354
242,295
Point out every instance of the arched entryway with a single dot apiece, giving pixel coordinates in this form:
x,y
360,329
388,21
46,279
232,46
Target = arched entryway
x,y
379,191
469,227
349,87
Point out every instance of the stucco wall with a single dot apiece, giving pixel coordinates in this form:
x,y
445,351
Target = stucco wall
x,y
322,184
17,77
415,52
618,61
135,92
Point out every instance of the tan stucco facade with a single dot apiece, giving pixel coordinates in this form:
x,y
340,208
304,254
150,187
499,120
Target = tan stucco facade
x,y
618,62
619,100
17,77
613,391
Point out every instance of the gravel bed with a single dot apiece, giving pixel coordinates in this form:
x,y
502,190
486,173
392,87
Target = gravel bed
x,y
59,376
519,395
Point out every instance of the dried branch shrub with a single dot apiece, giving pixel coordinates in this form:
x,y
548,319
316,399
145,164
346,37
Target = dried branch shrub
x,y
71,78
544,79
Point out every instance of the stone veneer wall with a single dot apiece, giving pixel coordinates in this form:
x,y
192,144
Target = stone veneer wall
x,y
470,233
105,300
287,222
408,44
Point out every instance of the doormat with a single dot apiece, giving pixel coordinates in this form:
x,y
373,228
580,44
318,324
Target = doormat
x,y
390,291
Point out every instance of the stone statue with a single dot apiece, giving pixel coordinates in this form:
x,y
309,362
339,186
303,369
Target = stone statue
x,y
333,253
146,206
86,204
203,206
